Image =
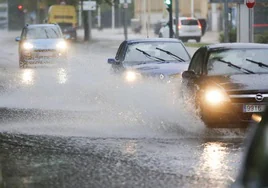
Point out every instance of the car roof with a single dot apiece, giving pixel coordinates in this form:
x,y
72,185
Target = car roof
x,y
235,46
40,25
153,40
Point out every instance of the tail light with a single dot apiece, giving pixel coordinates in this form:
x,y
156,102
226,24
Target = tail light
x,y
179,26
199,25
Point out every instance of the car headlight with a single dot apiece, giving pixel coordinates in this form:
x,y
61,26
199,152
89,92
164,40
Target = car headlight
x,y
27,46
62,45
132,76
216,96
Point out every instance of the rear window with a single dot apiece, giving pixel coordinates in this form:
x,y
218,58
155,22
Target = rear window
x,y
189,22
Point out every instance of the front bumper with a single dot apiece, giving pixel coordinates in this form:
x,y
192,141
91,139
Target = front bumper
x,y
42,56
228,113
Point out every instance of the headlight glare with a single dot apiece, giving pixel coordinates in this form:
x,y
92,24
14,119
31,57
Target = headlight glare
x,y
27,46
131,76
216,96
62,45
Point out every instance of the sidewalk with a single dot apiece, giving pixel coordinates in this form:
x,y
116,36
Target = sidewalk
x,y
113,35
118,35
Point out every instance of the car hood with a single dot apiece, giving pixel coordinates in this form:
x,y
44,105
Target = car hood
x,y
241,82
44,43
166,69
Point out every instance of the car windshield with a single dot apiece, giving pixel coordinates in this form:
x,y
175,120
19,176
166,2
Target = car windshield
x,y
42,33
242,58
134,56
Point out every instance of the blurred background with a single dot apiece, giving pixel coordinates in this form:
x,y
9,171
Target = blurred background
x,y
142,16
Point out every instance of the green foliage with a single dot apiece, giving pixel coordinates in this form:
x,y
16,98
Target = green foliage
x,y
195,45
232,36
261,38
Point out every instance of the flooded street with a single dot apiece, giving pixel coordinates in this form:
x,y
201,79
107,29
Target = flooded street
x,y
75,124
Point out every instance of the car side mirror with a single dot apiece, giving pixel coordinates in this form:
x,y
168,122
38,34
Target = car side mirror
x,y
189,75
17,39
112,61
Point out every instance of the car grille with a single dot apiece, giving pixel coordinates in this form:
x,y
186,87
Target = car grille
x,y
45,50
248,98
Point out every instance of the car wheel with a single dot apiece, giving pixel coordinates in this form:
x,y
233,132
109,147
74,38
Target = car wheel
x,y
160,35
198,39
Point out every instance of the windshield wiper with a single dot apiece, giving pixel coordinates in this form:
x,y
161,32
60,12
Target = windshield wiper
x,y
171,54
46,33
150,56
236,67
262,65
56,34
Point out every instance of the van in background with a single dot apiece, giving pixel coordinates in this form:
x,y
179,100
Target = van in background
x,y
65,16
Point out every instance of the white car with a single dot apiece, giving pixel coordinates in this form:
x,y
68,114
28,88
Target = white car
x,y
189,28
41,43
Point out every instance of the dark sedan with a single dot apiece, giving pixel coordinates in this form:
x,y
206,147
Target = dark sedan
x,y
228,83
158,58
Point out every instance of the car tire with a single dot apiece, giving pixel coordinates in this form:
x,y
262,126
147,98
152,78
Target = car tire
x,y
198,39
160,35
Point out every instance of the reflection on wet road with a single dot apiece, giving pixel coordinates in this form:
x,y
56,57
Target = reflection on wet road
x,y
77,125
107,162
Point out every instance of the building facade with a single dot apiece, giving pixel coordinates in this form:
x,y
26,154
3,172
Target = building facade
x,y
154,10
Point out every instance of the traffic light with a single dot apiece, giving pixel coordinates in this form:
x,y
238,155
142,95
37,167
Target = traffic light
x,y
167,2
16,15
169,9
20,7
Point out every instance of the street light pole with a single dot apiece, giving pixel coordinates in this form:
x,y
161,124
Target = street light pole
x,y
177,18
170,20
251,22
125,19
37,12
192,8
113,16
226,22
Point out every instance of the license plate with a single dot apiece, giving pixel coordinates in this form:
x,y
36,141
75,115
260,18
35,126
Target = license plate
x,y
43,54
253,108
190,29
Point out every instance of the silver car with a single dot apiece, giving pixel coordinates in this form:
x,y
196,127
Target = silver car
x,y
41,43
189,28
